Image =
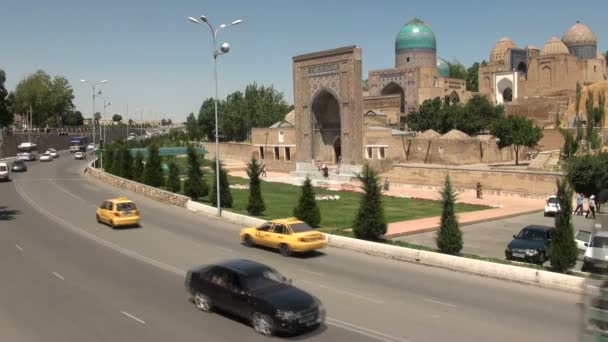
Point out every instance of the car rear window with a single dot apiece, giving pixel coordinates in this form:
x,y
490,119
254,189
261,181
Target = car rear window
x,y
583,235
552,200
301,227
3,168
599,242
126,206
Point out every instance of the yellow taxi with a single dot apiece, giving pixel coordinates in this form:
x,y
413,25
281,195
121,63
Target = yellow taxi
x,y
118,212
287,235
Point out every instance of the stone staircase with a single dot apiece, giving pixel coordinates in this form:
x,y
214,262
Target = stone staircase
x,y
344,175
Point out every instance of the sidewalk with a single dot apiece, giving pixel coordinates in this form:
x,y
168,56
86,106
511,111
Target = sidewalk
x,y
502,206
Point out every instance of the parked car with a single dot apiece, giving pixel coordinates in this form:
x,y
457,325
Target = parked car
x,y
80,155
287,235
596,255
4,172
582,238
46,157
53,152
532,244
551,206
117,212
19,166
256,293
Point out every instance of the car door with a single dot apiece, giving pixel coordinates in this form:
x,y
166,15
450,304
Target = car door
x,y
235,298
217,282
262,234
107,211
101,211
277,235
283,234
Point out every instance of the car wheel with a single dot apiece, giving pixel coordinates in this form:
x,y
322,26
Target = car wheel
x,y
285,250
541,258
262,324
112,224
248,241
546,214
584,268
202,302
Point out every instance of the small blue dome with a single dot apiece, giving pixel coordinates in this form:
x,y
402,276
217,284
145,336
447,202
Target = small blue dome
x,y
444,67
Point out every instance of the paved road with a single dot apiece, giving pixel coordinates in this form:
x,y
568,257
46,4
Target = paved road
x,y
490,238
66,278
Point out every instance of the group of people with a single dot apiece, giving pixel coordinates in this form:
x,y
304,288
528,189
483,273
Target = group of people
x,y
591,206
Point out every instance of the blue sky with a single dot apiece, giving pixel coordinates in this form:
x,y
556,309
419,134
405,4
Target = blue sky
x,y
158,62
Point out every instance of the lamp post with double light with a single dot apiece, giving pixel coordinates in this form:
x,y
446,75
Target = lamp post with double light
x,y
224,49
94,87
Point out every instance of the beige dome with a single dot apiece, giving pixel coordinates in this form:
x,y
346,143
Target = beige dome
x,y
554,47
579,35
499,52
601,56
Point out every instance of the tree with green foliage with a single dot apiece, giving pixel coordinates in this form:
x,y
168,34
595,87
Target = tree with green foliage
x,y
108,158
516,131
192,127
97,117
195,186
457,70
174,184
256,205
206,119
225,195
473,77
449,236
138,167
153,174
570,144
588,174
6,116
126,162
307,209
370,223
117,118
564,252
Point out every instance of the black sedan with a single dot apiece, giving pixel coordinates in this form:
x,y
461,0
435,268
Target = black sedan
x,y
256,293
19,166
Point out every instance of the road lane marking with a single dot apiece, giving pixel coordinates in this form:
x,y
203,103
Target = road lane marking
x,y
341,324
314,273
67,192
19,248
227,250
364,331
132,317
352,294
437,302
58,275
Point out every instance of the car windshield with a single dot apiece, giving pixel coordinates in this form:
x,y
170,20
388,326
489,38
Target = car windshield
x,y
126,206
583,235
552,200
531,234
263,280
3,168
301,227
599,242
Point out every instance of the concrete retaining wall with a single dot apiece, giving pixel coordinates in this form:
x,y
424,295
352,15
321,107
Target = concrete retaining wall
x,y
243,220
142,189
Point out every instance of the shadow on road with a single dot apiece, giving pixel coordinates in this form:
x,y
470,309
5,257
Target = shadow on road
x,y
8,214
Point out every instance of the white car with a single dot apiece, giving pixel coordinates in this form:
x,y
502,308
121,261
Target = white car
x,y
4,172
46,157
53,152
582,238
80,155
91,147
551,206
596,255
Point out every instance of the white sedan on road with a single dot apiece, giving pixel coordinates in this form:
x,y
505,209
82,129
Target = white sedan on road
x,y
551,206
53,152
46,157
91,147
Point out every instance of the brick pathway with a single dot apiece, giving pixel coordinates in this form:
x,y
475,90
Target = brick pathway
x,y
503,205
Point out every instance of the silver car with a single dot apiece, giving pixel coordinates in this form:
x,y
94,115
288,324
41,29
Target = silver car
x,y
46,157
4,172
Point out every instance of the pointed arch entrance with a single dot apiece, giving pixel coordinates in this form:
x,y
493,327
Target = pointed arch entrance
x,y
326,127
394,88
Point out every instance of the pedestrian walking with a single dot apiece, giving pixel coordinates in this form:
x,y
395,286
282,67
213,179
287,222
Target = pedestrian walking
x,y
579,205
263,171
591,207
325,170
386,184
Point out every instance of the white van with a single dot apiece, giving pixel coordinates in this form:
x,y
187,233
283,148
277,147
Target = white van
x,y
4,172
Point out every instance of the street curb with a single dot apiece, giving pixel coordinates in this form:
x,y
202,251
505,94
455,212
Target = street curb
x,y
483,220
523,275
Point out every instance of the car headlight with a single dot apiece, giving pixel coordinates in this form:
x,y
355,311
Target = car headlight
x,y
531,252
287,315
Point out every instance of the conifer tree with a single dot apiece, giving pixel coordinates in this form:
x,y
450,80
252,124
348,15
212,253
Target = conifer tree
x,y
225,195
194,186
138,167
256,205
307,209
153,174
449,236
174,184
370,223
126,162
564,253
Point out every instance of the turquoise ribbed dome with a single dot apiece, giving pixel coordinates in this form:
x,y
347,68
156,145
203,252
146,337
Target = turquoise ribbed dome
x,y
444,68
415,34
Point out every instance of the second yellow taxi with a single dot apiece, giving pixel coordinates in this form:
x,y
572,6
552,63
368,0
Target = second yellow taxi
x,y
118,212
287,235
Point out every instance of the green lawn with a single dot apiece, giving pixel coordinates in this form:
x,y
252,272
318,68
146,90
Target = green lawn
x,y
280,200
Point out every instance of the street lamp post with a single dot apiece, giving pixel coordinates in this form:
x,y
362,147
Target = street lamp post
x,y
224,49
102,128
94,86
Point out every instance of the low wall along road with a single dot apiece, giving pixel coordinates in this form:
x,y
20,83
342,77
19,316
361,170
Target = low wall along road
x,y
479,267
